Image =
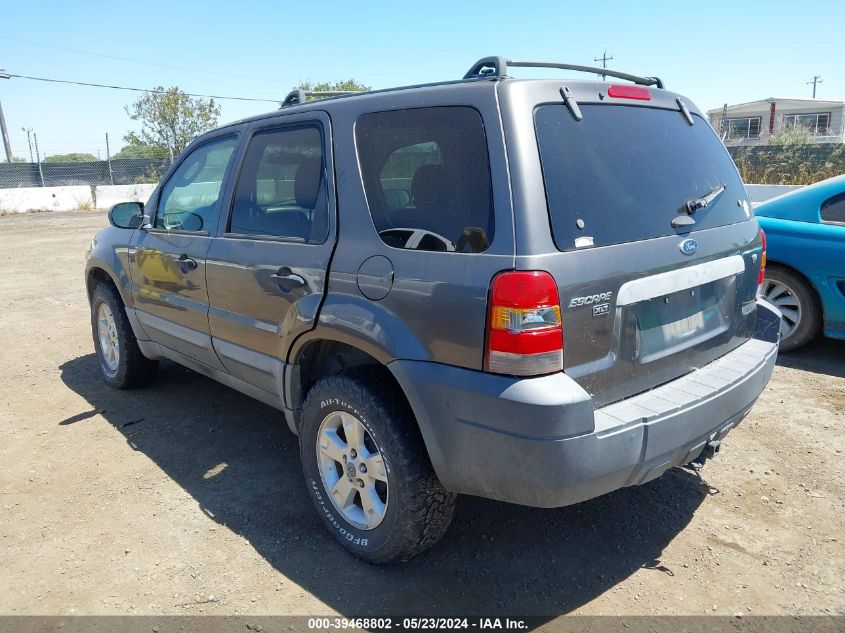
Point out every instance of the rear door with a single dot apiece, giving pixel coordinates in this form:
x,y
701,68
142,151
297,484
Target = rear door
x,y
267,271
657,254
168,258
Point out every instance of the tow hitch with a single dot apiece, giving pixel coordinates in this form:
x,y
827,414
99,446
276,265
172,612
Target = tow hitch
x,y
709,452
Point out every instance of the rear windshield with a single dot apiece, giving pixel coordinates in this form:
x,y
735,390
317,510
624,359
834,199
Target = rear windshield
x,y
623,173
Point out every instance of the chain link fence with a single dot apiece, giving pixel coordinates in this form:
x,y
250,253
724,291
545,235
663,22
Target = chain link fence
x,y
128,171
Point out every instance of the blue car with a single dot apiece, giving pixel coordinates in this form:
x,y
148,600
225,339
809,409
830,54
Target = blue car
x,y
805,273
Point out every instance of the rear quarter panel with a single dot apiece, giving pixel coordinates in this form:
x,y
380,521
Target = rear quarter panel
x,y
437,307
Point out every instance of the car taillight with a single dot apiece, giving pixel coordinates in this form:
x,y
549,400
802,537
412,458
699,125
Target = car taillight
x,y
762,262
524,333
624,91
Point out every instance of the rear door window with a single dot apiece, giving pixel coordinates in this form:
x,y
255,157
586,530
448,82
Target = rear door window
x,y
623,173
427,178
281,189
833,210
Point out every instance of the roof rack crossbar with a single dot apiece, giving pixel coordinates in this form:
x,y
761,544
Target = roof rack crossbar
x,y
498,67
297,97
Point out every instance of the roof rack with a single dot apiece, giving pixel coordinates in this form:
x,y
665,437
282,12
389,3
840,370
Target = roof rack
x,y
297,97
497,66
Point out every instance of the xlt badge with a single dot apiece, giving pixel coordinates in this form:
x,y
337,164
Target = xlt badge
x,y
590,299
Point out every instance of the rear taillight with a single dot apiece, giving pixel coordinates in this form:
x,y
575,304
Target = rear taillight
x,y
762,272
624,91
524,334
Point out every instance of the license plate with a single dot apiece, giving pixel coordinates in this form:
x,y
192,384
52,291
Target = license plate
x,y
668,324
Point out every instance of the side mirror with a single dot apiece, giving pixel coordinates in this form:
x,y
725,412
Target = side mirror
x,y
127,215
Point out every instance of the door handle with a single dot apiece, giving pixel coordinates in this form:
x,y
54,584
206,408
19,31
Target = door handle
x,y
185,263
287,280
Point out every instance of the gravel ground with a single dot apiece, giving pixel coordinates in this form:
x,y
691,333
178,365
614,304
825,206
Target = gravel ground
x,y
187,498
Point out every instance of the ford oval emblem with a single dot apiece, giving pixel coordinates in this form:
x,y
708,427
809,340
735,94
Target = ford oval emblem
x,y
688,247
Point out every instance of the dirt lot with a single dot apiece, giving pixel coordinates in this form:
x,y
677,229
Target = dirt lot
x,y
186,497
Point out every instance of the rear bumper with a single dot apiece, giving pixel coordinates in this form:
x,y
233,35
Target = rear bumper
x,y
539,442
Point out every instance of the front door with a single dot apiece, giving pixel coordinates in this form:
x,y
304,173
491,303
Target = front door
x,y
267,271
168,258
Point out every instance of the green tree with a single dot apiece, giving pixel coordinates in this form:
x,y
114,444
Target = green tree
x,y
326,86
71,158
170,119
141,150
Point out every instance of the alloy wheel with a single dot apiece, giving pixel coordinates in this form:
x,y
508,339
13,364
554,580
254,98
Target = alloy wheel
x,y
107,335
352,469
784,299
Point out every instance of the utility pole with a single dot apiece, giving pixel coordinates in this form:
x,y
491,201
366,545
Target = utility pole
x,y
28,131
603,59
817,79
3,130
5,134
108,158
38,157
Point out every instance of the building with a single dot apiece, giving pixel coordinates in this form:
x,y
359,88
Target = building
x,y
754,122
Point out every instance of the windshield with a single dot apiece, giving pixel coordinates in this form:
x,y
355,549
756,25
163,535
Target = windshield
x,y
624,173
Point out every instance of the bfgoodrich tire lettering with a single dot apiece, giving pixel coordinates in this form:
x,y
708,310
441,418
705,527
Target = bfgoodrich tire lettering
x,y
418,509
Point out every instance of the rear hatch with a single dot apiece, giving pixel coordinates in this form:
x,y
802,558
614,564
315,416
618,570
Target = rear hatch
x,y
644,301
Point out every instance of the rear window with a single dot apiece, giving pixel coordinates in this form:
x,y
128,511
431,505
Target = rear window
x,y
427,178
624,172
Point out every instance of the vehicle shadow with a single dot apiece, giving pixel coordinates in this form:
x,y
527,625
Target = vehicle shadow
x,y
496,559
821,356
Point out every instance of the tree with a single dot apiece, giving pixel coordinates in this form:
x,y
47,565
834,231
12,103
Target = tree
x,y
71,158
141,150
325,86
170,119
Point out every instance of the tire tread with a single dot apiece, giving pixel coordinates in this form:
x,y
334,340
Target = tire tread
x,y
428,507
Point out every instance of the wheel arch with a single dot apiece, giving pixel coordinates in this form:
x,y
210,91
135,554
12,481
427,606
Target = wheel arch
x,y
321,356
97,272
107,266
796,271
95,275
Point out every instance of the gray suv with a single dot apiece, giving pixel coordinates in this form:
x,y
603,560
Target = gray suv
x,y
535,291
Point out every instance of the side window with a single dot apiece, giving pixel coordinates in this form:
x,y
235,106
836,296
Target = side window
x,y
281,191
189,199
427,178
833,210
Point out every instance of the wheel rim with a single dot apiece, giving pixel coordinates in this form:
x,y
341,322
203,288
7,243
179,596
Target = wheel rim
x,y
352,469
107,334
783,297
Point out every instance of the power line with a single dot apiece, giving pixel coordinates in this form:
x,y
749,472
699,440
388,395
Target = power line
x,y
140,61
95,85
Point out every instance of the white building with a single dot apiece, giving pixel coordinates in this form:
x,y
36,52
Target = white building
x,y
754,122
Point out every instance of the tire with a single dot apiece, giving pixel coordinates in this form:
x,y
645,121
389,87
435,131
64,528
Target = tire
x,y
128,367
414,507
799,304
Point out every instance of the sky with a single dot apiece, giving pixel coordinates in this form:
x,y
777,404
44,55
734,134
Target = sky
x,y
713,52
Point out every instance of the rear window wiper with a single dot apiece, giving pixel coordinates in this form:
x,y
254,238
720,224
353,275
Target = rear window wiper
x,y
691,206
